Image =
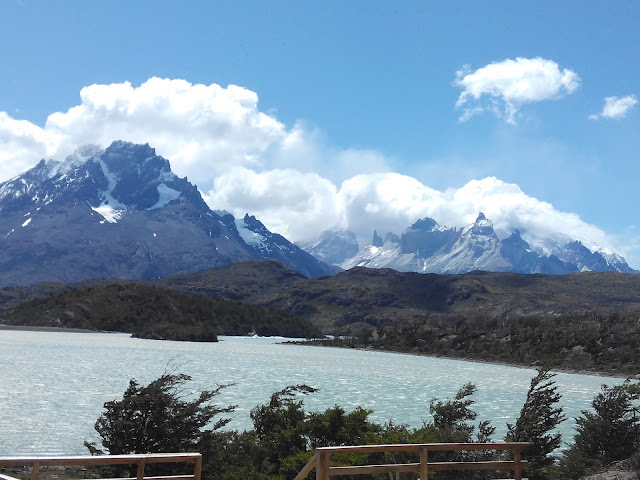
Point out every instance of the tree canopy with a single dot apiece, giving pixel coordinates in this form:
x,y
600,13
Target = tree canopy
x,y
609,433
538,418
158,418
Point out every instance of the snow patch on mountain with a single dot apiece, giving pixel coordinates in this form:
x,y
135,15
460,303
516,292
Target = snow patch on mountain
x,y
250,237
76,159
109,213
112,181
166,195
381,257
333,247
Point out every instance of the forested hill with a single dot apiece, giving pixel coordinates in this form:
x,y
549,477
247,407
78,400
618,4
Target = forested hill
x,y
373,297
587,321
152,312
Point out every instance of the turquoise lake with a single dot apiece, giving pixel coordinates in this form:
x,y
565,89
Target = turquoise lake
x,y
53,384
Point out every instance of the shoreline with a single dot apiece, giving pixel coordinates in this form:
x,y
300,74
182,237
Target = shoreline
x,y
37,328
592,373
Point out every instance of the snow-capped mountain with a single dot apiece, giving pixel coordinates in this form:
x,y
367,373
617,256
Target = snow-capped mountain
x,y
122,213
333,246
429,247
274,246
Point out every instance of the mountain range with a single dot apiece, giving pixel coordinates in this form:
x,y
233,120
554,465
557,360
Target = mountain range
x,y
122,213
428,247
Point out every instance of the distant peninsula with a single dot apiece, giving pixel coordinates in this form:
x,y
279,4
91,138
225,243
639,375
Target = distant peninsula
x,y
155,313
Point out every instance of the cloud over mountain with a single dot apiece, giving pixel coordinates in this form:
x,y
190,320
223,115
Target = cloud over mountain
x,y
510,84
245,160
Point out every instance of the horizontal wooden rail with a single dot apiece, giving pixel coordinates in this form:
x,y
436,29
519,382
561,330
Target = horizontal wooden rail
x,y
417,447
321,460
141,460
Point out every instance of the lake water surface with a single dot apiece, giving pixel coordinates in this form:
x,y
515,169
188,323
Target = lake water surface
x,y
53,384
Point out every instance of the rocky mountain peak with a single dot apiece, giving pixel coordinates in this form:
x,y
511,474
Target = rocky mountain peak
x,y
516,239
126,155
253,224
391,238
430,248
425,225
80,156
377,240
333,247
138,177
586,260
482,226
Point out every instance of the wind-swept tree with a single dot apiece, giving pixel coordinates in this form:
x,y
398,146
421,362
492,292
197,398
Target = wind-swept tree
x,y
538,418
159,417
452,422
608,434
451,418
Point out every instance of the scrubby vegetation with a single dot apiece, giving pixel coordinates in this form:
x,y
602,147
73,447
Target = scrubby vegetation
x,y
587,321
284,434
157,313
609,433
590,341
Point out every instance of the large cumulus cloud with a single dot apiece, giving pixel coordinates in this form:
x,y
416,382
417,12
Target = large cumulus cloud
x,y
295,204
290,177
302,205
203,129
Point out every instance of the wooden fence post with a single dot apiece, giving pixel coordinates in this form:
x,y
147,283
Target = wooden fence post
x,y
424,459
322,469
197,468
141,464
517,468
34,470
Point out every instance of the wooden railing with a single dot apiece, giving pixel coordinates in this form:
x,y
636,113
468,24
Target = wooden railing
x,y
84,461
321,460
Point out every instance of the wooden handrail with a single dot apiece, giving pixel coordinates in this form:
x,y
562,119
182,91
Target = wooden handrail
x,y
306,470
141,460
321,460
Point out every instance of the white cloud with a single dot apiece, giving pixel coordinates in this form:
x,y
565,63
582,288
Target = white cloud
x,y
246,161
509,207
295,204
509,84
203,129
615,107
385,201
301,205
391,202
22,144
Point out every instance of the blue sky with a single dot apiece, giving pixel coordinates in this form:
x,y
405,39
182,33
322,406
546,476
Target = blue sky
x,y
337,98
